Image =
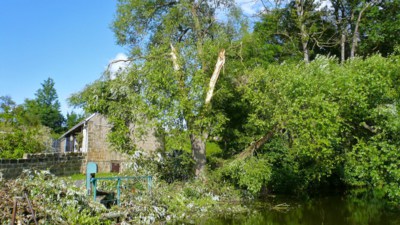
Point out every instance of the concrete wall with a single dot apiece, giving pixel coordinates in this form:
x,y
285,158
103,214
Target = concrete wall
x,y
60,164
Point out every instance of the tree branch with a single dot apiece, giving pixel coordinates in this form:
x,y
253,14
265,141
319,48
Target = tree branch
x,y
130,60
176,66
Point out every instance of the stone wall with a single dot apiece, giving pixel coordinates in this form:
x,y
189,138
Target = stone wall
x,y
60,164
95,130
99,150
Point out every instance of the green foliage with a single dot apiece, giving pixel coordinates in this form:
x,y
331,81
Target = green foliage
x,y
13,115
20,132
279,35
381,37
176,166
120,135
46,106
276,37
372,164
251,174
15,142
73,119
195,199
295,99
173,201
6,110
327,119
213,149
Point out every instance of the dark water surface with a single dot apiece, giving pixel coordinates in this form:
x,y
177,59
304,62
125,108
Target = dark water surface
x,y
330,210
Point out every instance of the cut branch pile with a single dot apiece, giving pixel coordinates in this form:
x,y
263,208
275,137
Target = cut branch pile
x,y
40,197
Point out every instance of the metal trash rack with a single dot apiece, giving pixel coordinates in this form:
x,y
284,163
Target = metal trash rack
x,y
94,180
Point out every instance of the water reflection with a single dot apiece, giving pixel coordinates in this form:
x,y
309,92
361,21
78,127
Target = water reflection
x,y
353,209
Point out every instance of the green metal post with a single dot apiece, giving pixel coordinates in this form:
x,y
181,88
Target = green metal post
x,y
149,183
93,180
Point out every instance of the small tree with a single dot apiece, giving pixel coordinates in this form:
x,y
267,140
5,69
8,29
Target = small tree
x,y
72,119
20,132
7,106
46,106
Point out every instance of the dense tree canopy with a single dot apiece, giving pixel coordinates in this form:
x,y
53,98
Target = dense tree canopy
x,y
327,119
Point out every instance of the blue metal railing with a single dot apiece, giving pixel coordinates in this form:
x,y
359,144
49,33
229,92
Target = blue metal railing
x,y
94,180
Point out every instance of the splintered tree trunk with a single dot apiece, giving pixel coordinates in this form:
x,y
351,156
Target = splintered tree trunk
x,y
199,153
198,141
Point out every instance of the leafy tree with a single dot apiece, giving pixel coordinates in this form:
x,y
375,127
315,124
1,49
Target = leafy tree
x,y
13,115
19,133
17,141
380,28
343,28
46,106
177,53
7,106
72,119
324,123
298,28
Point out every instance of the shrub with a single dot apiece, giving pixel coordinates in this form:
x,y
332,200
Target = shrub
x,y
251,174
176,166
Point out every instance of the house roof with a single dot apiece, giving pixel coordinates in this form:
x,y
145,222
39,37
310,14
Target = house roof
x,y
77,126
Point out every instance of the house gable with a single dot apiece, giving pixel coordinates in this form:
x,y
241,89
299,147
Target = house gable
x,y
90,137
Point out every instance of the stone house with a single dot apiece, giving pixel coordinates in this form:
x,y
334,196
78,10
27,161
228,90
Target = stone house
x,y
90,137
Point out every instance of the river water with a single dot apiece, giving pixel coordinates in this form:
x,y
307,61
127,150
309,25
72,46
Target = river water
x,y
328,210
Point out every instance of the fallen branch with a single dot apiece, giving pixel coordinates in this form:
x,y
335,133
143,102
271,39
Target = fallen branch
x,y
249,151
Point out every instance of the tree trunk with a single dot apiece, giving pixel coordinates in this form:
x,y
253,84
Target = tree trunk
x,y
356,33
303,30
198,143
305,51
343,48
340,16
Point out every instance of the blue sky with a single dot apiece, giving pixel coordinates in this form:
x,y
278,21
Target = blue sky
x,y
69,41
